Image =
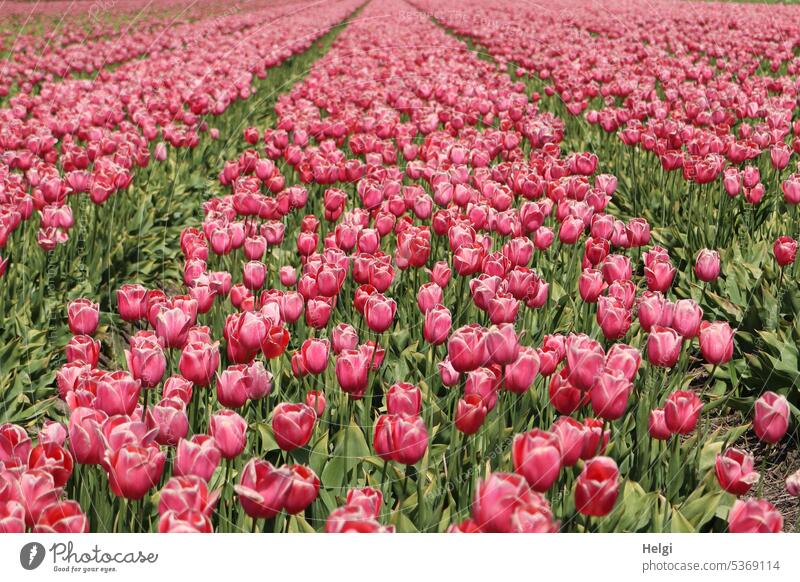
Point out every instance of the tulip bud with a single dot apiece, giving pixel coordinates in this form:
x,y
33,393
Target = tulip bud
x,y
707,265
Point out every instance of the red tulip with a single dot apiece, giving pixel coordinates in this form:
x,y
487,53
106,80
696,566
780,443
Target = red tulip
x,y
597,487
470,414
54,459
15,444
62,517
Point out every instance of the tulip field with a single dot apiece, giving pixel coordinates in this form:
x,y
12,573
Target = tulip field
x,y
399,266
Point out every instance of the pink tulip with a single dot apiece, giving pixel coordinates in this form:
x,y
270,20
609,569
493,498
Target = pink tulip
x,y
379,312
716,342
83,316
537,457
785,250
230,433
504,503
352,369
197,456
734,470
771,419
681,411
470,414
263,489
571,437
315,355
82,348
199,362
344,337
437,324
132,302
686,318
754,516
609,395
707,265
292,425
657,425
404,398
146,362
663,346
502,344
133,470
